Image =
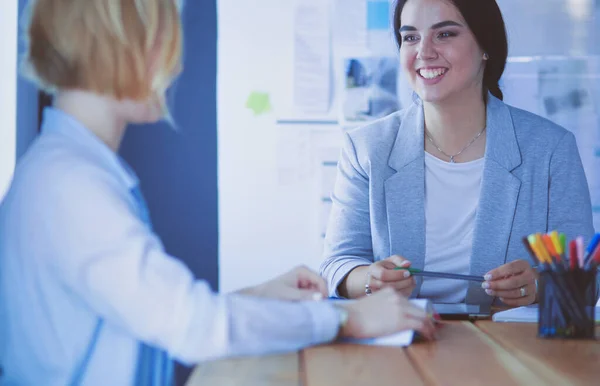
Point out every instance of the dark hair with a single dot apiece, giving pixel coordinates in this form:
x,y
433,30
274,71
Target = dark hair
x,y
485,21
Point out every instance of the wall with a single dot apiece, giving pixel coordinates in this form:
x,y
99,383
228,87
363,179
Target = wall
x,y
8,93
177,167
266,191
27,104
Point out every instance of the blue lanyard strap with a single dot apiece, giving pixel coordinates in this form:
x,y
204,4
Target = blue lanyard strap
x,y
81,368
154,367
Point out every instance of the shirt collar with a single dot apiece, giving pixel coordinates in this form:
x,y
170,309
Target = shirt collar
x,y
58,121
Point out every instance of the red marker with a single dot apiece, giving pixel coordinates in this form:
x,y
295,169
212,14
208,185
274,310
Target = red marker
x,y
573,254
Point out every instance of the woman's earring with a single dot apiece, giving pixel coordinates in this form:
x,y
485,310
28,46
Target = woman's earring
x,y
485,56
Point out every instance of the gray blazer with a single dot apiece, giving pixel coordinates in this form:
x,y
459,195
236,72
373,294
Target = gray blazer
x,y
533,181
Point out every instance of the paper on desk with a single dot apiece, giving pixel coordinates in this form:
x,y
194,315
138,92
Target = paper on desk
x,y
526,314
400,339
312,49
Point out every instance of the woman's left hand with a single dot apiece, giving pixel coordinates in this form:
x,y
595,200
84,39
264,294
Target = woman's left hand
x,y
514,283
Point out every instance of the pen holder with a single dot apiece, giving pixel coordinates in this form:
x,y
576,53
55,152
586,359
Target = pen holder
x,y
566,304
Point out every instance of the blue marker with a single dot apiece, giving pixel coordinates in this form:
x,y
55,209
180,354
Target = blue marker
x,y
591,248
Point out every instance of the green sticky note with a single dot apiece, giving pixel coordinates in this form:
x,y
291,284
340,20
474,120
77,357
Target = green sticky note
x,y
259,103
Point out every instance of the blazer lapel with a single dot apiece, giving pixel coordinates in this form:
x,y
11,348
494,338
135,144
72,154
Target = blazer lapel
x,y
498,197
405,190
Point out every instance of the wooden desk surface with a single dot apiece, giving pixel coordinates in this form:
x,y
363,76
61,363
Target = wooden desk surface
x,y
485,353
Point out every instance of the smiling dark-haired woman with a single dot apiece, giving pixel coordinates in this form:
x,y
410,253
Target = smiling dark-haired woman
x,y
453,182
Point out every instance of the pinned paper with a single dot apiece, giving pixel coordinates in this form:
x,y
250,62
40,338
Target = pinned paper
x,y
350,23
259,103
312,49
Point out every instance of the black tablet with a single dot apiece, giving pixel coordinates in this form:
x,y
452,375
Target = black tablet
x,y
462,310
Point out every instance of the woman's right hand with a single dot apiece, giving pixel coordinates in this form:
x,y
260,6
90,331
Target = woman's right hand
x,y
379,275
384,313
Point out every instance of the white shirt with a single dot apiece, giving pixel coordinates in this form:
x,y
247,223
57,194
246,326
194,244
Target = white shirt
x,y
73,250
451,200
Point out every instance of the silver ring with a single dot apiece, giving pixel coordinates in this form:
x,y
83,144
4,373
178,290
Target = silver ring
x,y
523,292
368,290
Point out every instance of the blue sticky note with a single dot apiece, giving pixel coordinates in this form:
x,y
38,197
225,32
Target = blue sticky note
x,y
378,15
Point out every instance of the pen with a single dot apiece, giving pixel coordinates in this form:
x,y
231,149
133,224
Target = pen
x,y
563,242
594,259
419,272
573,255
590,249
559,248
579,241
563,293
532,254
555,237
549,245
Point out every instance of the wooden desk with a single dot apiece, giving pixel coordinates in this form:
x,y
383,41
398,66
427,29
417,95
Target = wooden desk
x,y
484,353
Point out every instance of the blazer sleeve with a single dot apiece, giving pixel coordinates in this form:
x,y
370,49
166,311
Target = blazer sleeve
x,y
570,207
348,238
569,202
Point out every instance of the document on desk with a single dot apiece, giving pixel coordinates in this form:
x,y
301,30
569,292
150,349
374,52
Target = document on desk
x,y
525,314
400,339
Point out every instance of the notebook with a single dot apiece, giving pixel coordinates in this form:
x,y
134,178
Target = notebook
x,y
526,314
399,339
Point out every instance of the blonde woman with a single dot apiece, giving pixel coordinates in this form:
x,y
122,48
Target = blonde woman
x,y
88,294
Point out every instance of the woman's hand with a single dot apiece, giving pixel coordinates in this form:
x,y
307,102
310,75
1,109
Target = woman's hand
x,y
379,275
300,283
384,313
514,283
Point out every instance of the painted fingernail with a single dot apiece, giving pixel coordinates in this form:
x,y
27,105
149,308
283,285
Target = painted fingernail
x,y
489,292
488,276
405,263
406,273
485,285
317,296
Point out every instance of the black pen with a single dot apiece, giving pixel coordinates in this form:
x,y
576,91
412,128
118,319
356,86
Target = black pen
x,y
443,275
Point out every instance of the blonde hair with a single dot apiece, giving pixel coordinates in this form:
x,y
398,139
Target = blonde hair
x,y
125,49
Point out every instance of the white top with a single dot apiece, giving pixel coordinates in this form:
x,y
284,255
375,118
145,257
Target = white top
x,y
451,200
73,250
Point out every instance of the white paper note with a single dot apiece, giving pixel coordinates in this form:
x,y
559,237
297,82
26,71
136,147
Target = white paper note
x,y
399,339
350,21
312,62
